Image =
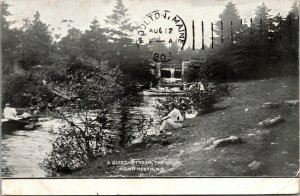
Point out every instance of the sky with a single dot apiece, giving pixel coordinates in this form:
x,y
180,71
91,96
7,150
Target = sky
x,y
82,12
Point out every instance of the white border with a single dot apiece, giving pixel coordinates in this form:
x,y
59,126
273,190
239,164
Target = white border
x,y
150,186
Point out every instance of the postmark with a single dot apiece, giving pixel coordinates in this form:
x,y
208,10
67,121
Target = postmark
x,y
161,30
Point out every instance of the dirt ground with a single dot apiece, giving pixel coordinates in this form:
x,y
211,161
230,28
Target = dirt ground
x,y
270,151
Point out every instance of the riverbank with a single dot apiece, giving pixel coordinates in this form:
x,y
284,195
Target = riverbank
x,y
263,151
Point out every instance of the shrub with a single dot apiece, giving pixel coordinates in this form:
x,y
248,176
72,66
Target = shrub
x,y
76,145
12,88
88,95
23,91
218,70
203,100
221,90
183,104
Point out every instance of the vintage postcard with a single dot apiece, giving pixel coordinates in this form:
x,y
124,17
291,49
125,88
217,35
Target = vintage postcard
x,y
149,97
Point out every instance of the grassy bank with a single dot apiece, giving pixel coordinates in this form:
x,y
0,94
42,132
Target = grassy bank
x,y
183,153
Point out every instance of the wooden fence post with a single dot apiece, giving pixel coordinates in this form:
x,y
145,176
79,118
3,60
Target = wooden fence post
x,y
212,36
202,26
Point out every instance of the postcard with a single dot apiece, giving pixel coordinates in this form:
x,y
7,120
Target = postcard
x,y
149,97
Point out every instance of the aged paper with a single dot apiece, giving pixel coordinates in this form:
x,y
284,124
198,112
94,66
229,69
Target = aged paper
x,y
149,97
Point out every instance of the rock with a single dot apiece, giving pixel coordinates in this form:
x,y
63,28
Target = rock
x,y
106,131
169,133
210,140
254,165
292,165
291,102
221,142
137,141
171,146
270,121
264,132
189,173
191,115
44,119
284,152
270,105
31,126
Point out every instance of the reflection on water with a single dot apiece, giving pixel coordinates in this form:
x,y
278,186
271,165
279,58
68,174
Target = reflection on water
x,y
24,151
136,121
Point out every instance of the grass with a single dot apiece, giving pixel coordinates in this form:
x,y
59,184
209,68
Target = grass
x,y
277,148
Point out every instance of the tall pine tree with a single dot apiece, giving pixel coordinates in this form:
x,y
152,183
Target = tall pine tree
x,y
70,44
262,23
119,19
230,24
36,43
10,40
94,42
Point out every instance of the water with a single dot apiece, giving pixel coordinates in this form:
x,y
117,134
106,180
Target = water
x,y
136,121
23,151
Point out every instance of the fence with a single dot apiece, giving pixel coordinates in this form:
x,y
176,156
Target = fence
x,y
252,29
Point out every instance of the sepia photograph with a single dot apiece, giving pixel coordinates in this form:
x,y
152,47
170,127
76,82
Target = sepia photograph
x,y
97,89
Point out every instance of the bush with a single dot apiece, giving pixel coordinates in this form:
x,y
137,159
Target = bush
x,y
218,70
23,91
214,69
12,88
183,104
203,101
76,145
88,95
221,90
196,101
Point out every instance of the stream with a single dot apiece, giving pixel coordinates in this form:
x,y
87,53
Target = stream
x,y
23,151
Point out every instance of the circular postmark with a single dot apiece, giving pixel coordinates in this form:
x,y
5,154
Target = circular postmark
x,y
162,31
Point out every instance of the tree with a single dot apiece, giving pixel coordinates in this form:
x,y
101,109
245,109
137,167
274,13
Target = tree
x,y
289,43
36,43
10,40
262,23
119,19
93,42
123,53
294,13
70,44
190,54
262,12
293,19
120,28
230,23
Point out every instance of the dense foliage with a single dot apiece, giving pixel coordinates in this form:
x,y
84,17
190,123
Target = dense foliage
x,y
89,91
260,47
197,101
203,100
33,50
